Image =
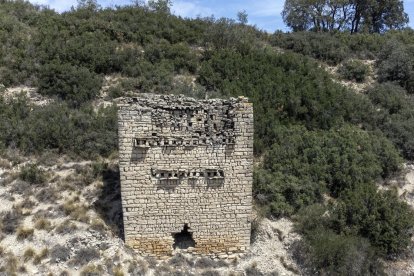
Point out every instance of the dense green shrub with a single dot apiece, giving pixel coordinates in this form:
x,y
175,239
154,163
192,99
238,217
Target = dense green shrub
x,y
334,48
395,109
179,55
326,47
383,222
302,165
34,129
331,254
284,89
33,174
378,216
400,128
115,92
71,83
396,63
16,63
354,70
390,97
346,238
324,250
225,33
282,195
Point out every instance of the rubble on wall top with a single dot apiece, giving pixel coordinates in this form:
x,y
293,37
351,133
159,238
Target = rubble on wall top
x,y
178,101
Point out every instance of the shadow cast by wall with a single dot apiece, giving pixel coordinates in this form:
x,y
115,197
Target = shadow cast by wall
x,y
109,204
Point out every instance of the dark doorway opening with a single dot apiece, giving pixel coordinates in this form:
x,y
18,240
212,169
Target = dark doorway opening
x,y
184,239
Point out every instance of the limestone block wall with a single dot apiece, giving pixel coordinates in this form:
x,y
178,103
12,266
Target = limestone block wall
x,y
186,164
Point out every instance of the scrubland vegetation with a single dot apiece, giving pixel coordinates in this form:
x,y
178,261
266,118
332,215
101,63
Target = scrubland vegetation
x,y
322,146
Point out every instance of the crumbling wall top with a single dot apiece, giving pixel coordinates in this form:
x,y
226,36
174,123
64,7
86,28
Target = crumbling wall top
x,y
177,101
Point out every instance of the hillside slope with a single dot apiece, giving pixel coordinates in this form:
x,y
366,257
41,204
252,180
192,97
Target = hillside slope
x,y
321,147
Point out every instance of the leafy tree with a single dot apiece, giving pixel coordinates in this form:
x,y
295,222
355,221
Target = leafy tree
x,y
91,5
379,16
357,15
161,6
138,3
242,17
297,14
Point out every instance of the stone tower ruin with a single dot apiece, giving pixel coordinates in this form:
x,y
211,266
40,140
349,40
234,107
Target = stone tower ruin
x,y
186,174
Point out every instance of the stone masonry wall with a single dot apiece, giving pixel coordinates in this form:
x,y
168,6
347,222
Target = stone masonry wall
x,y
186,164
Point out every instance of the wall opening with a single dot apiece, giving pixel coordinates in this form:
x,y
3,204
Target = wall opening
x,y
184,239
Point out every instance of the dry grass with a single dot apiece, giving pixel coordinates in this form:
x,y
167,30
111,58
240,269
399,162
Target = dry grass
x,y
253,270
48,158
98,225
19,186
24,211
117,271
76,211
163,270
8,178
213,273
29,254
42,255
5,164
84,256
289,266
48,194
138,267
85,176
65,185
92,270
22,269
151,262
180,261
48,213
235,273
24,233
14,156
27,203
206,263
66,227
11,264
43,224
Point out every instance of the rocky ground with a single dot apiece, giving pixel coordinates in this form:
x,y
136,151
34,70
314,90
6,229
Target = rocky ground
x,y
358,87
28,92
71,224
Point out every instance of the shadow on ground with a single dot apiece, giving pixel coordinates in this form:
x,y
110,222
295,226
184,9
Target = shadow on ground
x,y
109,204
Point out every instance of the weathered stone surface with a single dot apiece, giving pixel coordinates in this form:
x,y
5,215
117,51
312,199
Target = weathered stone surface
x,y
186,162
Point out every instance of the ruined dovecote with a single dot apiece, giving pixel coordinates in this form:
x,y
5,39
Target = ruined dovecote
x,y
186,174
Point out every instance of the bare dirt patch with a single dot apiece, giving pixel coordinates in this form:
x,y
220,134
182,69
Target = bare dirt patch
x,y
29,92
